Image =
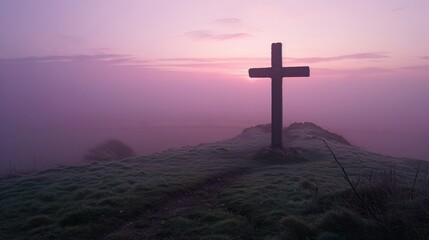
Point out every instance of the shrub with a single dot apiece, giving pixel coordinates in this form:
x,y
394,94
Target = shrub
x,y
109,150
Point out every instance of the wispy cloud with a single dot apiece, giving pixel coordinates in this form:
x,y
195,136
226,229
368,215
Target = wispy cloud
x,y
222,29
210,64
241,64
205,60
349,71
227,64
425,57
109,58
70,39
102,50
228,21
124,58
356,56
424,68
397,9
208,35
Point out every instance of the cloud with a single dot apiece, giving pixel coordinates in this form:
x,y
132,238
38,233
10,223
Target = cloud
x,y
197,60
108,58
425,57
221,23
349,71
228,21
356,56
397,9
102,50
241,64
417,68
266,60
208,35
70,39
227,64
231,65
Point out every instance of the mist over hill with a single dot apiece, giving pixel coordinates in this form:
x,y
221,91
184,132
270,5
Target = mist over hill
x,y
53,112
214,189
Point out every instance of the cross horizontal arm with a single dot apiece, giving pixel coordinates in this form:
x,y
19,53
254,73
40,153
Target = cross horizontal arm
x,y
284,72
260,72
295,72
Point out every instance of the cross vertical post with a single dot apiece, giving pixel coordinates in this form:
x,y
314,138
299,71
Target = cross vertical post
x,y
277,72
276,96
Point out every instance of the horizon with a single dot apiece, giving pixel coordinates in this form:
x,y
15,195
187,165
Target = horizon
x,y
143,64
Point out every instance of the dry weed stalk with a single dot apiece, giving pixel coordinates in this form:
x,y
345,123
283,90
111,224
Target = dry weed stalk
x,y
367,206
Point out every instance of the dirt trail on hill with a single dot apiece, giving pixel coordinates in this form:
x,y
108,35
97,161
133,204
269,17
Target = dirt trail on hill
x,y
147,225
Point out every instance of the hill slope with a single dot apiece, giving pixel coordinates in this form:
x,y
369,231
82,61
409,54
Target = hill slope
x,y
221,191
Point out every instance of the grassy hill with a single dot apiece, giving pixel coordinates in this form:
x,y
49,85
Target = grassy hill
x,y
226,190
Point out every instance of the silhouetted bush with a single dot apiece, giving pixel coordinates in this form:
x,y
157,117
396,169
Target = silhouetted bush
x,y
109,150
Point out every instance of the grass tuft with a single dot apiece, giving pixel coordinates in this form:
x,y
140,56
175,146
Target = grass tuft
x,y
39,221
296,228
118,236
80,217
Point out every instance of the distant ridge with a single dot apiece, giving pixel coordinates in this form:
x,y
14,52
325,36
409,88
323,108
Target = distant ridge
x,y
317,131
311,129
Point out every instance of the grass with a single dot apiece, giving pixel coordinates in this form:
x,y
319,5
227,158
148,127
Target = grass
x,y
309,199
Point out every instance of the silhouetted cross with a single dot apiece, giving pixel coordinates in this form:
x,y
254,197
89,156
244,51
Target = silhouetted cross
x,y
277,72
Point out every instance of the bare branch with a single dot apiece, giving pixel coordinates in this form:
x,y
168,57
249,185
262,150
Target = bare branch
x,y
371,212
415,180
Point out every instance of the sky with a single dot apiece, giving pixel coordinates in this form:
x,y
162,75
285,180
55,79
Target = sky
x,y
92,64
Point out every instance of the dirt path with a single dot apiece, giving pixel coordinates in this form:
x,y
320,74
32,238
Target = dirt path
x,y
147,225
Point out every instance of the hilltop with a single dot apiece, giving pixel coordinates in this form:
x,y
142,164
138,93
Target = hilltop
x,y
222,190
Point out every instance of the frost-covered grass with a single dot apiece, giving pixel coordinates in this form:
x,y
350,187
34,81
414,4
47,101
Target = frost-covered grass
x,y
271,201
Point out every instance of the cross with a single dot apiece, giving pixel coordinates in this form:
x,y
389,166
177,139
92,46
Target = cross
x,y
277,72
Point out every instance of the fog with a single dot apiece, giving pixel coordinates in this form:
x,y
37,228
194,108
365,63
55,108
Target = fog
x,y
53,112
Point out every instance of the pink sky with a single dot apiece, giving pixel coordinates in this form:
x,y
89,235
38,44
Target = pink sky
x,y
163,63
153,30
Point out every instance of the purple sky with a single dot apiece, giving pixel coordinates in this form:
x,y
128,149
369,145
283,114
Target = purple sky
x,y
145,64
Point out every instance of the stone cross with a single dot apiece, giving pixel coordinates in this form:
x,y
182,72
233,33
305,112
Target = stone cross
x,y
277,72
